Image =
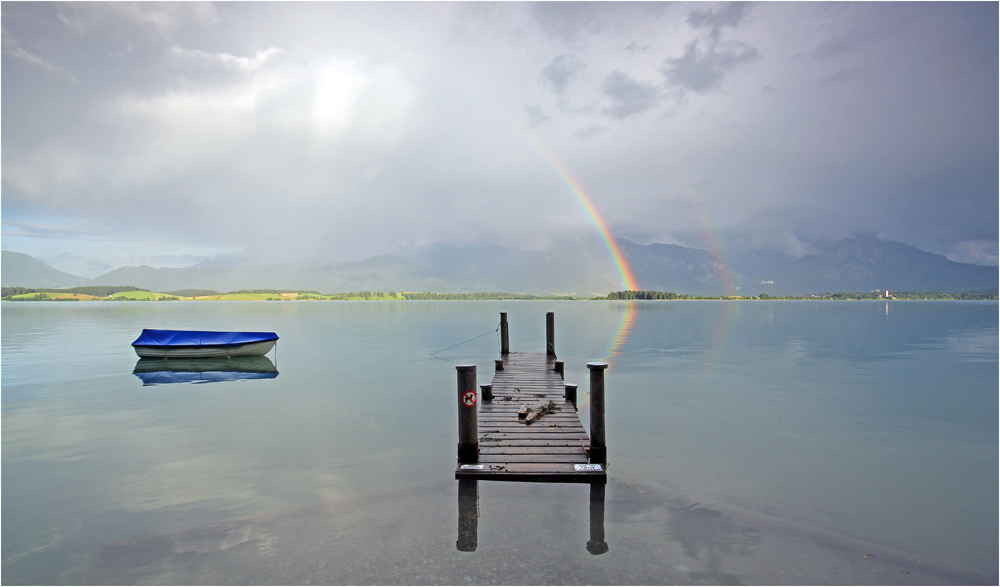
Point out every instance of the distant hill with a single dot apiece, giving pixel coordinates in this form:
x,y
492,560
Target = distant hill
x,y
577,268
859,263
865,262
679,269
20,270
862,262
383,273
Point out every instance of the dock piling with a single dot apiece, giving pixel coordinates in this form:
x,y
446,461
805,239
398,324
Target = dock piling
x,y
504,335
571,393
498,364
468,417
487,392
598,446
550,334
561,369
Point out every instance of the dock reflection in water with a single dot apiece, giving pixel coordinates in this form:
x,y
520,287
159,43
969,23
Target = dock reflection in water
x,y
160,371
468,517
405,536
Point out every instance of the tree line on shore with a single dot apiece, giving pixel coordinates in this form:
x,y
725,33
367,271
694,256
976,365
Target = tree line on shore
x,y
855,295
45,294
102,291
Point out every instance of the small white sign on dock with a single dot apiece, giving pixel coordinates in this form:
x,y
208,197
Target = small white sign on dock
x,y
594,467
466,467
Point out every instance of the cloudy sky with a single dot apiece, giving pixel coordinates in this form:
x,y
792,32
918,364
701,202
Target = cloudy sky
x,y
167,134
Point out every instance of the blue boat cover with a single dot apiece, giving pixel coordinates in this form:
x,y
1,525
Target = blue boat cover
x,y
183,338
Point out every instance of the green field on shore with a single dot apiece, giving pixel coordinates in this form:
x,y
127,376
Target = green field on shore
x,y
130,293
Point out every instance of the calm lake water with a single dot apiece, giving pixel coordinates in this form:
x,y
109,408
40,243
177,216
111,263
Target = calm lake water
x,y
749,442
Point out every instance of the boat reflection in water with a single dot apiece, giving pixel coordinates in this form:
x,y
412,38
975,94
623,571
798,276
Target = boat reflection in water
x,y
161,371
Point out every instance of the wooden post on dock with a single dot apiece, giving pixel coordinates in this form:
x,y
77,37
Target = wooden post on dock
x,y
550,334
561,369
598,446
571,393
487,392
504,336
468,417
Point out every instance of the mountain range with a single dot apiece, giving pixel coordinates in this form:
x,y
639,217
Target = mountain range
x,y
862,262
18,269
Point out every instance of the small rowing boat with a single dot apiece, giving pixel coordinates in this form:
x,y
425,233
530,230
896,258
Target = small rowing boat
x,y
199,344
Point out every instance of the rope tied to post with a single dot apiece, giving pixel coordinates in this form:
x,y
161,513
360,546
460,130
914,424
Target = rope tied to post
x,y
435,353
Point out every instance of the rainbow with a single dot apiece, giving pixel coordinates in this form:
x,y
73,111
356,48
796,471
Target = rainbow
x,y
625,272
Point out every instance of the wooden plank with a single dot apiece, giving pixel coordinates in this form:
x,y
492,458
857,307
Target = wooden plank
x,y
557,468
512,412
539,427
542,421
535,433
532,450
564,409
534,430
548,420
519,424
511,419
565,420
536,472
547,427
532,442
534,458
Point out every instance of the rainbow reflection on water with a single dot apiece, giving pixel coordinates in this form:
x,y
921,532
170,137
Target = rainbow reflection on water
x,y
623,332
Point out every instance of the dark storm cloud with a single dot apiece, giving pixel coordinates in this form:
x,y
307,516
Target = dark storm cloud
x,y
535,115
842,75
627,96
560,70
635,48
11,47
706,61
590,131
848,42
702,70
576,23
43,231
729,14
566,21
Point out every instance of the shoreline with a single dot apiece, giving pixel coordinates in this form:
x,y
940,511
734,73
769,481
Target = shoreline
x,y
133,294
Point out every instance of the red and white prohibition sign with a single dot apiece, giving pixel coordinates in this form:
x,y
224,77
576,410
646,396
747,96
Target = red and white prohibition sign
x,y
469,399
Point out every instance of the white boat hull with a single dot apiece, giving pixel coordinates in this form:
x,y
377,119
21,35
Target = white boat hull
x,y
205,351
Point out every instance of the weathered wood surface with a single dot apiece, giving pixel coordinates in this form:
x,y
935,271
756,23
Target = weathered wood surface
x,y
545,450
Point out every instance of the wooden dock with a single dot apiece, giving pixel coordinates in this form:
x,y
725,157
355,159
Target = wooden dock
x,y
529,430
